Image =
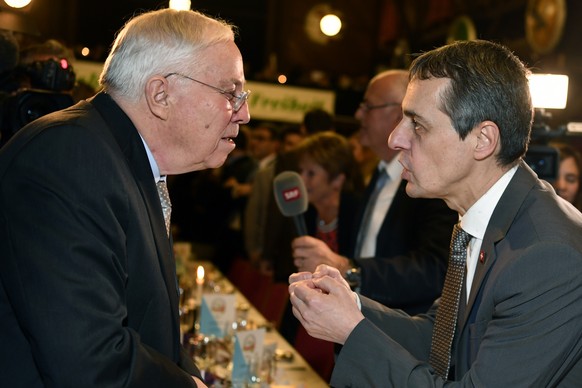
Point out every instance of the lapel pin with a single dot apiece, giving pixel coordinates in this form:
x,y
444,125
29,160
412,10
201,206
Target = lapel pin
x,y
482,257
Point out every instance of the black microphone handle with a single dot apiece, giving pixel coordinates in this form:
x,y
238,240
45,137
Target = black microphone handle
x,y
300,226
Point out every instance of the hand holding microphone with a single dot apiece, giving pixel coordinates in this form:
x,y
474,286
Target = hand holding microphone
x,y
291,198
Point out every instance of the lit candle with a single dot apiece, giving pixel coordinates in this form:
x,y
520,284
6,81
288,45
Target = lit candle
x,y
199,283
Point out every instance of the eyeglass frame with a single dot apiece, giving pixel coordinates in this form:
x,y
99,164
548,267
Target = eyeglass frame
x,y
230,96
367,107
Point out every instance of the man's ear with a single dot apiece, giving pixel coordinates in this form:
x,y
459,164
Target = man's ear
x,y
488,140
157,96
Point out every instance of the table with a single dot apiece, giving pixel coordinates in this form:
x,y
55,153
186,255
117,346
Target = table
x,y
297,372
293,370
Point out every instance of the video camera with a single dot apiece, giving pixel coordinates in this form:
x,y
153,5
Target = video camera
x,y
540,156
33,90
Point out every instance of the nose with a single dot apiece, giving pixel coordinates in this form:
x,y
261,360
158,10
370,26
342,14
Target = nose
x,y
398,139
243,115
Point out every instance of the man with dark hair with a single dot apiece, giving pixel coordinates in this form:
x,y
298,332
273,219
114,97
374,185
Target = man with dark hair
x,y
511,310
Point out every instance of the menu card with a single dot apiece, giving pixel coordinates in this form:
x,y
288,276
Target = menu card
x,y
248,355
217,313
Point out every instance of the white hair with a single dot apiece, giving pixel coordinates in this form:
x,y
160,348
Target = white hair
x,y
158,42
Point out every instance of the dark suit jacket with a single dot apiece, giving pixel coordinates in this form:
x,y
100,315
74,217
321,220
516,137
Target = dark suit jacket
x,y
88,293
411,252
522,326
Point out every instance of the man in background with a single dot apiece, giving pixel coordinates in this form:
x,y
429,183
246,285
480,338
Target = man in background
x,y
402,244
256,211
264,143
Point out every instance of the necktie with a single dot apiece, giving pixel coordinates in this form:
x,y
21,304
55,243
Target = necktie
x,y
381,180
446,316
165,202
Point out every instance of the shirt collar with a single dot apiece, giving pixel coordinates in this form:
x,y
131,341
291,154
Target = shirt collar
x,y
153,164
477,218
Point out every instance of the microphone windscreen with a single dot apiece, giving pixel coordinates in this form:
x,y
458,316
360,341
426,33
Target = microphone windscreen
x,y
290,193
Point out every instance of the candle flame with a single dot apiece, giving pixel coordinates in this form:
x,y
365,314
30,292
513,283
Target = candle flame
x,y
200,273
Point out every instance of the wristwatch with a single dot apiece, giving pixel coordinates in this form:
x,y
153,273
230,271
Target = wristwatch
x,y
354,278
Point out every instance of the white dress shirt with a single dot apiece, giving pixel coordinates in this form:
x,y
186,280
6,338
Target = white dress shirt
x,y
385,198
153,163
477,218
475,223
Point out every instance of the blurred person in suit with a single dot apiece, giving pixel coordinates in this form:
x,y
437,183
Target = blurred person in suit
x,y
88,291
365,156
400,243
235,178
567,184
261,194
518,323
264,251
264,143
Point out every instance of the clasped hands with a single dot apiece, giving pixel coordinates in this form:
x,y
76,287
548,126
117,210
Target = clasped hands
x,y
324,303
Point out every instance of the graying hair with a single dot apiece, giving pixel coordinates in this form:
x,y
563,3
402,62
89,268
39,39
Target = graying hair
x,y
159,42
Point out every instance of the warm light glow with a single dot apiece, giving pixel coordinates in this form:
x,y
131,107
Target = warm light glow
x,y
85,51
180,5
200,275
17,3
282,78
330,25
549,90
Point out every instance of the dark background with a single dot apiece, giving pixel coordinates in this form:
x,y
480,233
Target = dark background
x,y
377,34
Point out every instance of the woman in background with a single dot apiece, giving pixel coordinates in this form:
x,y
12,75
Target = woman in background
x,y
567,184
334,185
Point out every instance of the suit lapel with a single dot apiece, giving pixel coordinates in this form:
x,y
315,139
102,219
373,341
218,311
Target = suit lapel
x,y
501,220
400,205
126,135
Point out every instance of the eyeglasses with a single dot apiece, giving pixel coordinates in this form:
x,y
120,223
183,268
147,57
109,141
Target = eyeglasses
x,y
236,101
367,107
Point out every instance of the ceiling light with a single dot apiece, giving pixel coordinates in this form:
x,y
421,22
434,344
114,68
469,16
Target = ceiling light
x,y
17,3
330,25
180,5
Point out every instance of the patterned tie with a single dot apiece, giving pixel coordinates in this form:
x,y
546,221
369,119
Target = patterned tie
x,y
381,180
165,202
446,316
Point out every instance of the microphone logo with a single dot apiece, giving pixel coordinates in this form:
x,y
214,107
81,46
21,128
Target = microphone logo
x,y
291,198
292,194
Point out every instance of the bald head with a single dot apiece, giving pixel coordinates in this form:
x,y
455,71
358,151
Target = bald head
x,y
392,82
381,111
